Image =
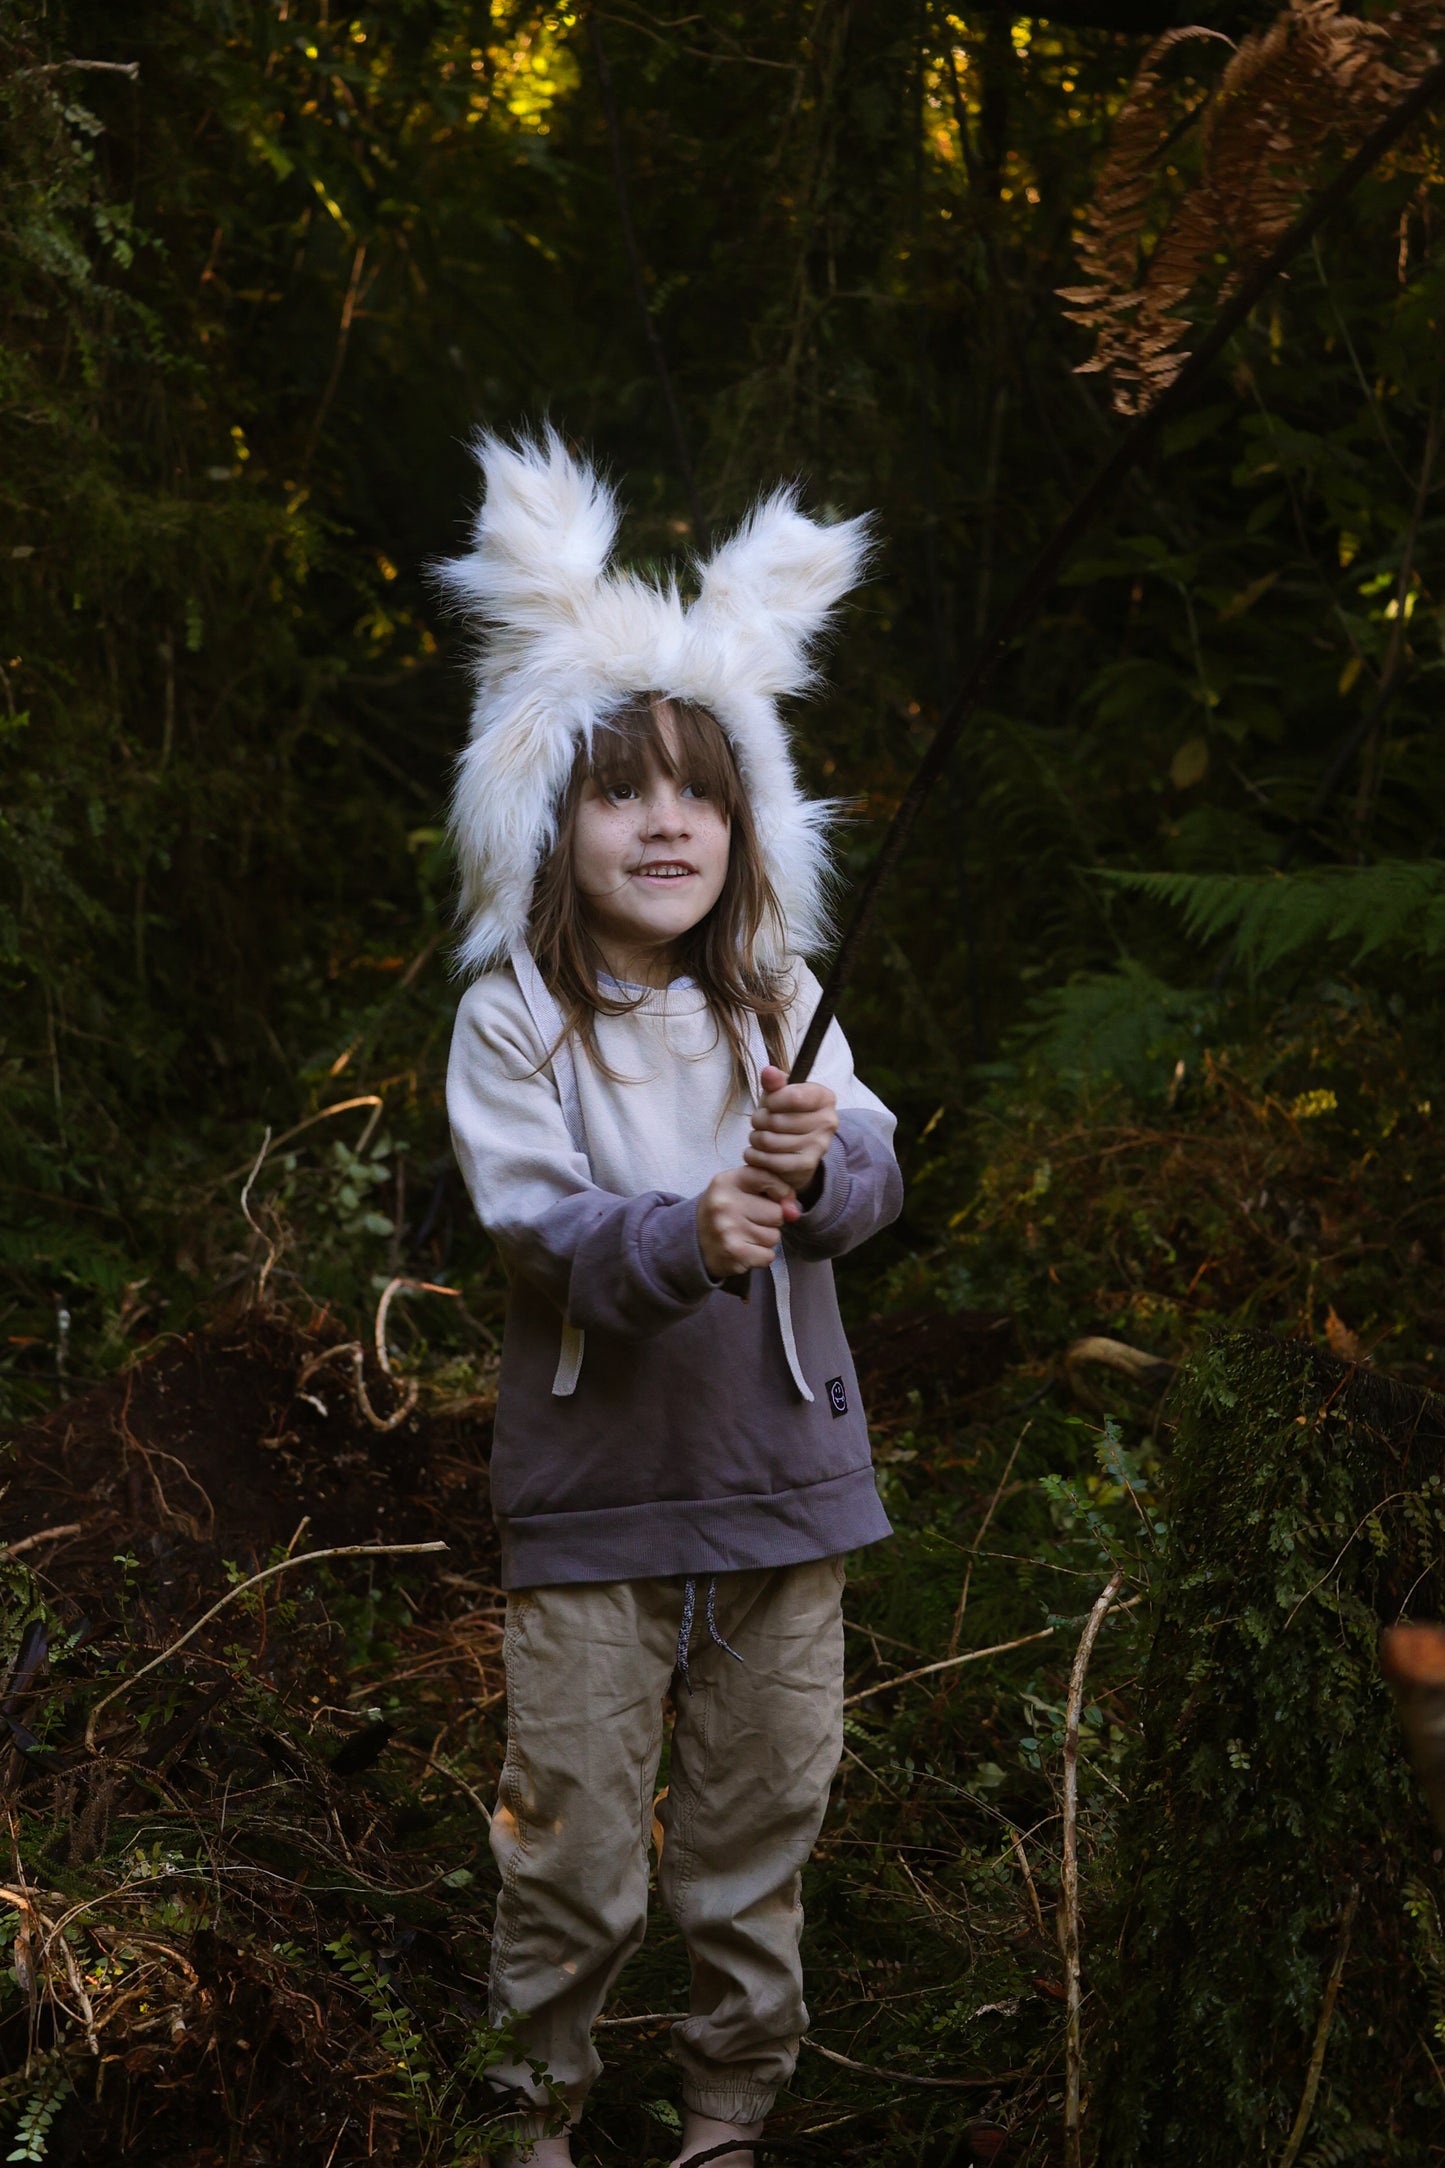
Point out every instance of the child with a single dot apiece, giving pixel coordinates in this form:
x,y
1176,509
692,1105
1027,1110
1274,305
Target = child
x,y
676,1472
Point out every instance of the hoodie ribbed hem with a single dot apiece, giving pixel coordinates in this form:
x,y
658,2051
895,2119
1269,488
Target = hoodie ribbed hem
x,y
694,1535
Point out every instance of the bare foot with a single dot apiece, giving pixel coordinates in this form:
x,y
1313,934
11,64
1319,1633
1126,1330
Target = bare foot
x,y
700,2133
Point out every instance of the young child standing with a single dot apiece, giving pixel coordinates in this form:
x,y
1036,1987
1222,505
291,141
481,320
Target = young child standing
x,y
677,1472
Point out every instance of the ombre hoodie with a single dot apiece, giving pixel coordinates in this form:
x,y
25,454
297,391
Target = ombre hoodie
x,y
650,1422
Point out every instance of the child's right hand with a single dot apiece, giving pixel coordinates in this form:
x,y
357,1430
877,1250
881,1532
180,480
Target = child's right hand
x,y
740,1219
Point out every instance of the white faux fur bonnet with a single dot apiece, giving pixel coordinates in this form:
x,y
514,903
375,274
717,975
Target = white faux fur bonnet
x,y
567,641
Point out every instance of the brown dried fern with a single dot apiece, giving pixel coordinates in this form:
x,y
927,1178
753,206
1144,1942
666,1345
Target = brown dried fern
x,y
1312,81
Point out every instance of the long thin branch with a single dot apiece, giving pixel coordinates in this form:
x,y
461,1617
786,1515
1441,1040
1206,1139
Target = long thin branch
x,y
1040,580
948,1663
982,1532
41,1535
1322,2035
128,68
284,1565
700,528
969,1656
343,340
902,2077
1069,1889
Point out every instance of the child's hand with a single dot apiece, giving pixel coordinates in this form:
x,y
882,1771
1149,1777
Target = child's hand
x,y
792,1129
740,1218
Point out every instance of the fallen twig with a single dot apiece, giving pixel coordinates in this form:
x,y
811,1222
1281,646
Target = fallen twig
x,y
969,1656
982,1532
410,1388
272,1248
905,2077
41,1535
342,1106
1322,2033
307,1558
948,1663
1023,1859
128,68
1069,1892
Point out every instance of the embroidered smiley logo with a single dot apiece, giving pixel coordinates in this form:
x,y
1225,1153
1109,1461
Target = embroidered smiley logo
x,y
837,1396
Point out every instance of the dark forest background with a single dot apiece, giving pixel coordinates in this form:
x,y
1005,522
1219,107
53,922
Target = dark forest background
x,y
1156,992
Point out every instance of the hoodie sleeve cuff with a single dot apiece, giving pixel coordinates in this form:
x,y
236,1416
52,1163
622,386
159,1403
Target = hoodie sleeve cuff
x,y
861,1191
669,1255
830,1204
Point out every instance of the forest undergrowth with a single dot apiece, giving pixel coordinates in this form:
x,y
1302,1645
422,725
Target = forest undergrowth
x,y
251,1888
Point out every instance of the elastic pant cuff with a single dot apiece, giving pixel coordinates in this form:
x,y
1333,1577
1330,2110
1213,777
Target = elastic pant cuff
x,y
730,2103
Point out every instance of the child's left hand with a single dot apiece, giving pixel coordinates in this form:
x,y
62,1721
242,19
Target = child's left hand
x,y
792,1129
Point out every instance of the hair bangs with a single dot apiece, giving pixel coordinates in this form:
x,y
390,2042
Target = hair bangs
x,y
695,751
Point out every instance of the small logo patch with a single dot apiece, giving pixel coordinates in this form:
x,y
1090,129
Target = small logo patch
x,y
837,1396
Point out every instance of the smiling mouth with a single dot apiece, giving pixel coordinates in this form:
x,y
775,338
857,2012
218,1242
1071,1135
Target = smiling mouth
x,y
666,869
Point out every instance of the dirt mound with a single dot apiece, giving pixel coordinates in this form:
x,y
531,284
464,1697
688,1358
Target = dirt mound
x,y
231,1437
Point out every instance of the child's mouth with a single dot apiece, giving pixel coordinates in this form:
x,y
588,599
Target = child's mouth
x,y
666,870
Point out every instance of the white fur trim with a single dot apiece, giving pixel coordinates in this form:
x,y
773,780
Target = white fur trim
x,y
566,641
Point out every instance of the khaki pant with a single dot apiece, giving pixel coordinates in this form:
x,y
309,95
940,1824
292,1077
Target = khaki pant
x,y
754,1749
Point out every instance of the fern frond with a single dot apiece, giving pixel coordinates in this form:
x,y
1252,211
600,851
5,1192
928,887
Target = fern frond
x,y
1312,80
1395,908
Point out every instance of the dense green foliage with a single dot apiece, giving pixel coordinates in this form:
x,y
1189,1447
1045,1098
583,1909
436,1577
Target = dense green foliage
x,y
1153,993
252,302
1274,1819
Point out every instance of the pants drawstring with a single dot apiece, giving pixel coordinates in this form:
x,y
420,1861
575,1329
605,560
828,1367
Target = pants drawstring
x,y
684,1631
716,1638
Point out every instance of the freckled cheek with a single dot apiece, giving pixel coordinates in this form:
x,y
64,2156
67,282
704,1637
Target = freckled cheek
x,y
599,854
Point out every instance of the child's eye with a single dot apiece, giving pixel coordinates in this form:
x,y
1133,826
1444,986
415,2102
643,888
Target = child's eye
x,y
694,790
619,793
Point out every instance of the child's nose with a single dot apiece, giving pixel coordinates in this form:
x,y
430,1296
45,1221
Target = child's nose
x,y
667,813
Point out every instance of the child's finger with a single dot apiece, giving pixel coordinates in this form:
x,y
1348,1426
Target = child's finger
x,y
784,1166
799,1099
762,1182
799,1122
763,1139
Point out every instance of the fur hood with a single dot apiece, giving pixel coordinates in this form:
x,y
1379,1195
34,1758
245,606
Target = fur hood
x,y
566,641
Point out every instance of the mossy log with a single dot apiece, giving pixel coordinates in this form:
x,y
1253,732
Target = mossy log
x,y
1274,1979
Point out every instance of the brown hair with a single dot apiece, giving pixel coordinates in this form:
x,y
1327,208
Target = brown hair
x,y
719,953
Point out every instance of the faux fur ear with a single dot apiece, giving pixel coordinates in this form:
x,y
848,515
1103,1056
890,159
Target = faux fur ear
x,y
769,590
541,539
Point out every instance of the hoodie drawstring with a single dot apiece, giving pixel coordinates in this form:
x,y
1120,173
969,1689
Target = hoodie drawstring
x,y
684,1631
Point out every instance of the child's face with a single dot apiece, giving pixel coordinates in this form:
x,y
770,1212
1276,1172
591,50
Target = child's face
x,y
649,858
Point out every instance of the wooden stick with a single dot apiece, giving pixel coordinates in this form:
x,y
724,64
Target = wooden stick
x,y
948,1663
1023,1859
1322,2033
41,1535
969,1656
284,1565
904,2077
1069,1894
1039,581
982,1532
